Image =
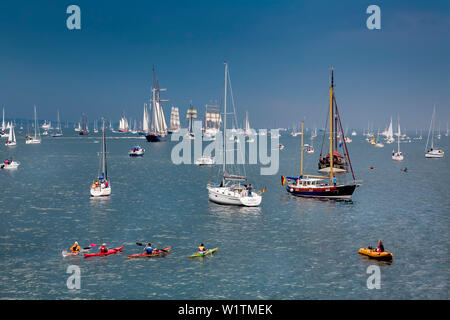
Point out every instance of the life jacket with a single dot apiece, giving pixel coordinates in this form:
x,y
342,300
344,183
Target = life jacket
x,y
103,249
149,250
75,248
201,249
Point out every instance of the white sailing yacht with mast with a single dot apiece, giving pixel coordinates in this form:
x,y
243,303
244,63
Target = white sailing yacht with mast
x,y
390,133
231,191
102,187
11,137
37,133
433,153
248,132
58,132
398,156
3,133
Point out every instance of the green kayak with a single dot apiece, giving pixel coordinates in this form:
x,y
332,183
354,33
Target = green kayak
x,y
201,254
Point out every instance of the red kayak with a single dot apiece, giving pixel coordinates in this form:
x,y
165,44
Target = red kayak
x,y
157,252
110,251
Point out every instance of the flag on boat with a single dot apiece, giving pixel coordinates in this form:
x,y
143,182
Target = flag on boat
x,y
262,191
283,181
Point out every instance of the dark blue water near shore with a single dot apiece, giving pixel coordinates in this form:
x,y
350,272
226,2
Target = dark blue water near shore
x,y
289,248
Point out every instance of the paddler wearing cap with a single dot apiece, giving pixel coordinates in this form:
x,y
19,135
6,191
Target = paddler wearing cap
x,y
75,247
103,248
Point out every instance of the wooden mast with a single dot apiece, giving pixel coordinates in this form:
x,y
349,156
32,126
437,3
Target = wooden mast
x,y
301,161
331,124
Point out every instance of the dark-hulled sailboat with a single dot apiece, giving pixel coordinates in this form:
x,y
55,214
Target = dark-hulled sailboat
x,y
323,186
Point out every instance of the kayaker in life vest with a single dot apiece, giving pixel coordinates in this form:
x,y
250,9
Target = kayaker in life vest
x,y
380,246
75,247
202,248
148,248
103,248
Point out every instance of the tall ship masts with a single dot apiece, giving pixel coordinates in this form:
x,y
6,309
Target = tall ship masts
x,y
158,127
84,125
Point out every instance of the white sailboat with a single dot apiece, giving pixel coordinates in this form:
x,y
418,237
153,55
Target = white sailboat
x,y
11,137
3,133
101,186
231,191
191,114
37,134
432,152
390,134
174,120
213,121
158,127
58,132
123,124
248,132
379,144
398,156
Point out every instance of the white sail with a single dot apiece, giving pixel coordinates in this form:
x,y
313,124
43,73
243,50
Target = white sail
x,y
248,130
174,119
145,119
3,121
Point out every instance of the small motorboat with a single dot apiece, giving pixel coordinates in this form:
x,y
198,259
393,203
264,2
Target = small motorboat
x,y
205,161
136,151
280,146
9,164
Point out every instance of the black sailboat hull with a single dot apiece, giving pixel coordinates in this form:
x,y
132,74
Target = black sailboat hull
x,y
330,192
154,138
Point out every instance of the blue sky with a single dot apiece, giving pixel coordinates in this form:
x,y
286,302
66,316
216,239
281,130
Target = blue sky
x,y
279,55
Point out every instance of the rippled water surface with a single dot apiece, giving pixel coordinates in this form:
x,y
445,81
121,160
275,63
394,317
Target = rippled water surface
x,y
289,248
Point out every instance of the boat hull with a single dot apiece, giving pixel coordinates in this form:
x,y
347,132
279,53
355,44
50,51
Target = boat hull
x,y
330,192
223,195
100,192
384,256
155,138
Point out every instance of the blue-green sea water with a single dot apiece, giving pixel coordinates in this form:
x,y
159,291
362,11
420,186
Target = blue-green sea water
x,y
288,248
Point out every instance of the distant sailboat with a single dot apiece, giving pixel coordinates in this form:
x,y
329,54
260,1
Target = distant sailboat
x,y
158,126
390,134
58,132
95,126
213,121
231,191
191,114
379,144
84,125
174,120
102,187
433,153
123,125
398,156
37,134
3,133
11,137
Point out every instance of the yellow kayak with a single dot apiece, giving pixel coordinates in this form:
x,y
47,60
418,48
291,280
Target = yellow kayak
x,y
372,253
202,254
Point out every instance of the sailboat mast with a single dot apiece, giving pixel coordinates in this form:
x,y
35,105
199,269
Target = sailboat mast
x,y
225,122
301,157
331,124
104,169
